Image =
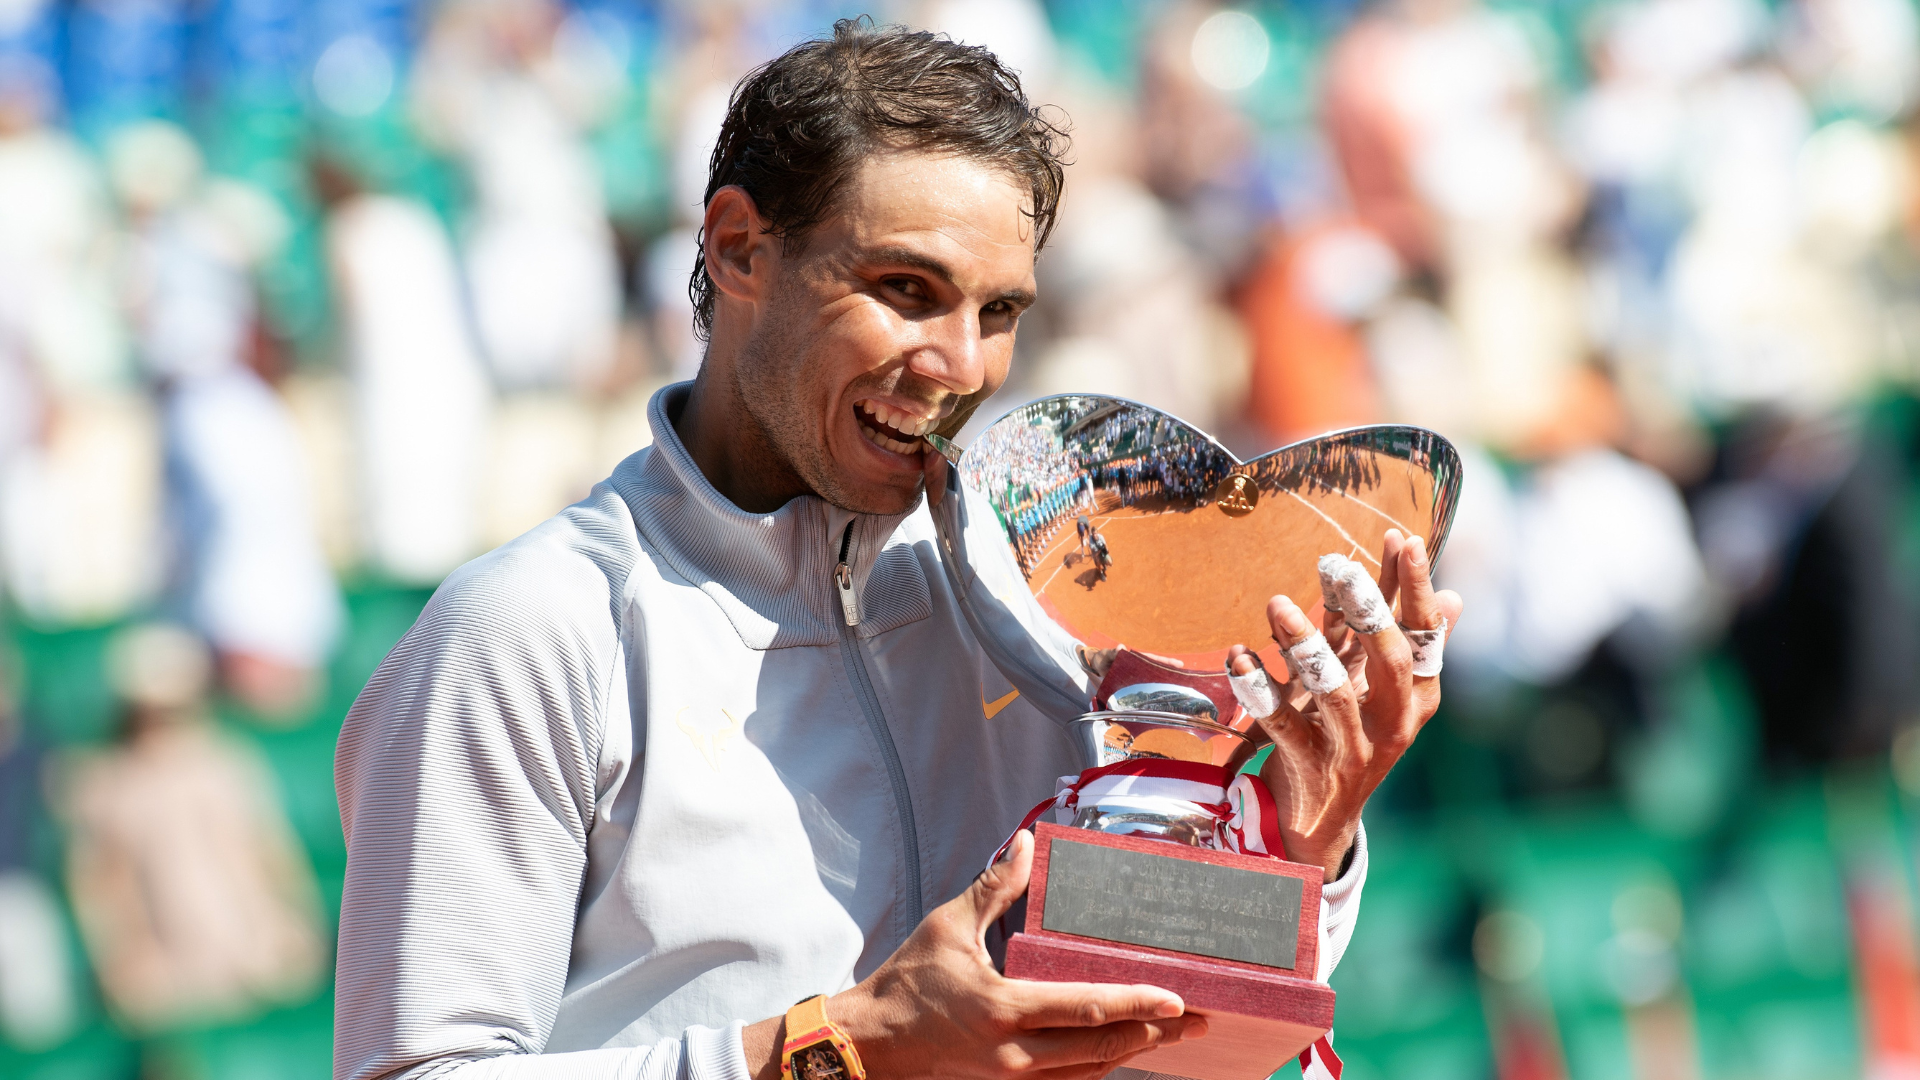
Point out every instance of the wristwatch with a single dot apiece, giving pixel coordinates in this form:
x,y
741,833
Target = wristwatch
x,y
816,1047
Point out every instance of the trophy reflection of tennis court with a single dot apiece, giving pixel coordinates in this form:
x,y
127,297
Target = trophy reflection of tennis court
x,y
1174,573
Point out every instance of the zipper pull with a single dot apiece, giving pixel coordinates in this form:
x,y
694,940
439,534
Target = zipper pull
x,y
843,578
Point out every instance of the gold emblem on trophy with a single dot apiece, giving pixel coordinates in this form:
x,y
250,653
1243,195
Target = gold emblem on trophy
x,y
1237,495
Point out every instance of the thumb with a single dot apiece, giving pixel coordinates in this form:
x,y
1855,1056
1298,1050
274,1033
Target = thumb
x,y
999,885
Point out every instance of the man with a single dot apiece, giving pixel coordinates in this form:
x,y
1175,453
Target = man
x,y
714,740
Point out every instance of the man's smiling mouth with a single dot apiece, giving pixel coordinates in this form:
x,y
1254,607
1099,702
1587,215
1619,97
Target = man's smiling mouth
x,y
892,429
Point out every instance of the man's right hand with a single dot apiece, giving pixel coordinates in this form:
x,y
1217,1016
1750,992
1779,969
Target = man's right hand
x,y
938,1007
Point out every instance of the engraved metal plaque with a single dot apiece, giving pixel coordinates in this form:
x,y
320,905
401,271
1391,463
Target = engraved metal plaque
x,y
1184,905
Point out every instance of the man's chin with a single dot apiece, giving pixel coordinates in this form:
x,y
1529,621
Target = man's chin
x,y
879,499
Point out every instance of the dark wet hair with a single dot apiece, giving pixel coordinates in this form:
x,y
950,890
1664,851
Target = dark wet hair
x,y
799,125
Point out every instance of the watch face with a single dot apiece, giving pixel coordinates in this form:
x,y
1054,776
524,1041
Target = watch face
x,y
819,1062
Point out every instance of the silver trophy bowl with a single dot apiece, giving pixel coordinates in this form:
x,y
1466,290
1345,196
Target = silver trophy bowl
x,y
1079,526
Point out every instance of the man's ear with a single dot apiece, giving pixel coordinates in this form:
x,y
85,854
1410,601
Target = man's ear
x,y
735,243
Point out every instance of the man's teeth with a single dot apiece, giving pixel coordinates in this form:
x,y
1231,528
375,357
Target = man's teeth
x,y
885,443
899,420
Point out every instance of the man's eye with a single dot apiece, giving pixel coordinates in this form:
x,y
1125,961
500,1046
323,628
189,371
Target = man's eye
x,y
908,286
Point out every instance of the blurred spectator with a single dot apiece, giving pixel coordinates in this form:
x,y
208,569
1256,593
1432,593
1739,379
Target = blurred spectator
x,y
1855,54
252,576
510,85
38,999
192,896
421,396
1515,546
1302,305
78,476
1799,529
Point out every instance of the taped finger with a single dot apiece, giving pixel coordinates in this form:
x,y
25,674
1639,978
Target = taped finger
x,y
1313,662
1256,691
1346,587
1427,645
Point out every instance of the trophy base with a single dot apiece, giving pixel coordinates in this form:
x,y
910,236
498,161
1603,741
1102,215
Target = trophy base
x,y
1256,1022
1090,888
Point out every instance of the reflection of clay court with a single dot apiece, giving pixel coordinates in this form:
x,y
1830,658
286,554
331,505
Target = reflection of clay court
x,y
1189,584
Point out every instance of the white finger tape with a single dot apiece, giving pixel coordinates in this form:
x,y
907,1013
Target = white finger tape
x,y
1346,587
1313,662
1256,692
1329,570
1428,645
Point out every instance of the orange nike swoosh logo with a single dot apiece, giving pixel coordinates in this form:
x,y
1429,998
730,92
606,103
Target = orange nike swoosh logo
x,y
993,707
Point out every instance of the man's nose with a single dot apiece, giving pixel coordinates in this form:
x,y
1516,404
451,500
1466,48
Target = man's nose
x,y
952,353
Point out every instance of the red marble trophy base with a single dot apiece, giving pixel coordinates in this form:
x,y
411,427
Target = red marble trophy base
x,y
1258,1017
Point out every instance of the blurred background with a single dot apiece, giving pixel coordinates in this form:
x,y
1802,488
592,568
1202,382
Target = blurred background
x,y
303,304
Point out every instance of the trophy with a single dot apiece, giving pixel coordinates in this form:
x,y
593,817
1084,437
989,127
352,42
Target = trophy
x,y
1107,555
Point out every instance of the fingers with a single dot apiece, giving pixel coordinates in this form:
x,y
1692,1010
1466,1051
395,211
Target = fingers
x,y
1390,564
1253,688
1419,608
1320,672
1241,661
1333,623
1096,661
1064,1048
1043,1005
999,885
1291,629
1337,698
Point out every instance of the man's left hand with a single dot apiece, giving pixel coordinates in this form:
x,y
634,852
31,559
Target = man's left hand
x,y
1330,751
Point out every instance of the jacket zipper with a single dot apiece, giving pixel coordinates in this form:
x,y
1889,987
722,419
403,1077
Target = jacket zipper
x,y
843,579
856,662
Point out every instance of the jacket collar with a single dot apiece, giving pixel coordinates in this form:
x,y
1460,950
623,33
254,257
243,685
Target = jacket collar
x,y
771,573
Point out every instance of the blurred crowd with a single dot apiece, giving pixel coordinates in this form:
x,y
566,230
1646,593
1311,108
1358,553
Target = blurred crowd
x,y
302,303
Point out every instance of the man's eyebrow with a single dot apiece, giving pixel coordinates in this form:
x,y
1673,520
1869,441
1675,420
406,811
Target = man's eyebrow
x,y
921,261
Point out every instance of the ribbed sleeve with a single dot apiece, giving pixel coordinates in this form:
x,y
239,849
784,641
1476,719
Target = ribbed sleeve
x,y
467,776
1340,908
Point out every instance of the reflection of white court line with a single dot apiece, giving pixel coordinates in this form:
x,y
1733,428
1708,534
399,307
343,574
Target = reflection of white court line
x,y
1391,520
1063,559
1370,557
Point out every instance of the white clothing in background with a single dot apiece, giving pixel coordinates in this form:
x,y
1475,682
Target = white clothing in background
x,y
57,258
80,512
39,1006
539,252
251,573
1559,561
258,582
421,393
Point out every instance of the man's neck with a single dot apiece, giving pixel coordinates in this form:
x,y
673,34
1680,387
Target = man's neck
x,y
730,448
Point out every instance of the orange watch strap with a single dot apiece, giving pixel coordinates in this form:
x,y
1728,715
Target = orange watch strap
x,y
808,1026
807,1017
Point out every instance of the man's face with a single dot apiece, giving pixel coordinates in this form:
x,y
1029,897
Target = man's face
x,y
902,303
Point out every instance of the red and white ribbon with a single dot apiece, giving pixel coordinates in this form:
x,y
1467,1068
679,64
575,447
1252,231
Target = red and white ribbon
x,y
1319,1062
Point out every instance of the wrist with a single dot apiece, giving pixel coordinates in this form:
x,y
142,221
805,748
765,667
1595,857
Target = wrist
x,y
1331,855
761,1044
856,1012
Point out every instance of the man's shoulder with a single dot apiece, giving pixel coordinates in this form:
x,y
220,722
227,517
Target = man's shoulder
x,y
566,572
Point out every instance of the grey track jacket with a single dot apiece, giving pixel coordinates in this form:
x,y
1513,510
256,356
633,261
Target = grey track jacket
x,y
632,781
